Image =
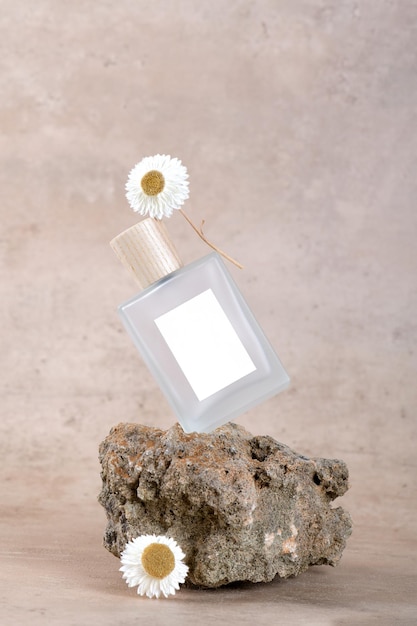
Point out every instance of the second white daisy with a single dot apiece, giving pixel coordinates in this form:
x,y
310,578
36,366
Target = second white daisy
x,y
157,185
153,564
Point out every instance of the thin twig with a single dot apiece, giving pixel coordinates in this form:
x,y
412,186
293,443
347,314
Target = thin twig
x,y
202,236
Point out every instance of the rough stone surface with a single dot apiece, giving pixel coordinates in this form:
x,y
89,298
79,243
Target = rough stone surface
x,y
243,508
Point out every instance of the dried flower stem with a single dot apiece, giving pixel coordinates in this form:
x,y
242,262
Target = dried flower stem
x,y
202,236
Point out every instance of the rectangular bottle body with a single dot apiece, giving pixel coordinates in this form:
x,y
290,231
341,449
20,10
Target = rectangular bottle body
x,y
203,345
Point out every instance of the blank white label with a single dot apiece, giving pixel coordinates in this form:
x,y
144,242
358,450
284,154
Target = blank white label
x,y
205,344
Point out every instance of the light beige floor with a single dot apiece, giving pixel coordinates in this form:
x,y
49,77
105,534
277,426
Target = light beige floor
x,y
297,122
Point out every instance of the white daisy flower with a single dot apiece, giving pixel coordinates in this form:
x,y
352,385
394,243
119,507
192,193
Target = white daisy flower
x,y
157,185
154,564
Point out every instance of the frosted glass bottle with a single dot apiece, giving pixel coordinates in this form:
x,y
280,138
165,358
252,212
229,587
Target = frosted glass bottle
x,y
195,332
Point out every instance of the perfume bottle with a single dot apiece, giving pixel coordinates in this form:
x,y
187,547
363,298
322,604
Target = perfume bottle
x,y
195,331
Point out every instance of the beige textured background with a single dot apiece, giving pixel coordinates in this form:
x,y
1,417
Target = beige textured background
x,y
297,122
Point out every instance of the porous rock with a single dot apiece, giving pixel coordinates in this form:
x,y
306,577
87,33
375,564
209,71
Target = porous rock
x,y
242,508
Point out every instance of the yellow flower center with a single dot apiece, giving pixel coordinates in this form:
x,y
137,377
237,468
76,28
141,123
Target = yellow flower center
x,y
152,183
158,560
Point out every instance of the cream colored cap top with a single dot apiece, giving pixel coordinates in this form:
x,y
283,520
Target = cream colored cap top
x,y
147,251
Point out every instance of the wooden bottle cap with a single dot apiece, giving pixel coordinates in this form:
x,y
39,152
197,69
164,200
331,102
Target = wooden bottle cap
x,y
147,251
